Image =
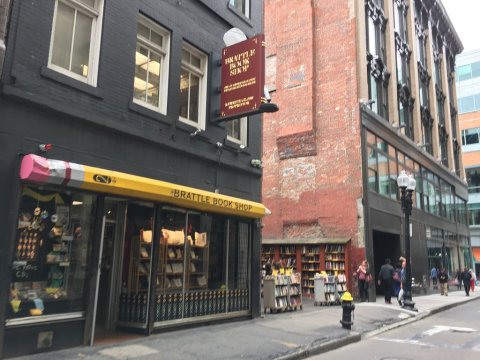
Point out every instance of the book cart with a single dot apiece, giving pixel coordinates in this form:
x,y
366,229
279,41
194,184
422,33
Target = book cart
x,y
329,288
282,292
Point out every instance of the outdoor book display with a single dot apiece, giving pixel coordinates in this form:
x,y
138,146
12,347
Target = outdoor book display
x,y
311,256
310,266
282,292
329,289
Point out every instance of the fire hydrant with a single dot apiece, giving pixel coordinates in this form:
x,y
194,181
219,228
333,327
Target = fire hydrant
x,y
347,310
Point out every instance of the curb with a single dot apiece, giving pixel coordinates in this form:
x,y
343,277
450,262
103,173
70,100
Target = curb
x,y
316,348
418,317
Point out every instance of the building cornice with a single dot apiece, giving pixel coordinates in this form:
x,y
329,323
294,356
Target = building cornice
x,y
440,18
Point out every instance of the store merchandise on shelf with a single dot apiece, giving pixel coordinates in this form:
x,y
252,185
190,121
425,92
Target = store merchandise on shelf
x,y
310,266
328,288
282,292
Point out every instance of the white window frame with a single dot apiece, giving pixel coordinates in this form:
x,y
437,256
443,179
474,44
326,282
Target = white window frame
x,y
246,13
243,132
202,74
95,38
164,53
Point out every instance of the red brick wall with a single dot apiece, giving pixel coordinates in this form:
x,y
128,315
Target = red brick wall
x,y
311,146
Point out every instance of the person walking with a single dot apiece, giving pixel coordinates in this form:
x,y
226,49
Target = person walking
x,y
458,279
443,280
385,279
362,273
434,275
473,279
397,282
466,276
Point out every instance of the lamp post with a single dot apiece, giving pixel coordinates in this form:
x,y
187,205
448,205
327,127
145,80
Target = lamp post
x,y
407,183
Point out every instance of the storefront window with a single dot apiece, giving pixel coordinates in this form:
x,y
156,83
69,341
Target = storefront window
x,y
52,253
203,266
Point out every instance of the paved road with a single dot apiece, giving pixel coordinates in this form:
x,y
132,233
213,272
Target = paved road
x,y
452,334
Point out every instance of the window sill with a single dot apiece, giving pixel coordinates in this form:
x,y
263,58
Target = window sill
x,y
70,82
202,135
142,110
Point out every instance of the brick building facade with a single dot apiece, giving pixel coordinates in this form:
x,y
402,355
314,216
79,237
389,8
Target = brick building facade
x,y
333,152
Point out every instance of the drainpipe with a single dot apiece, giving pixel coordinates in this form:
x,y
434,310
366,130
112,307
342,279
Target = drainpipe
x,y
4,12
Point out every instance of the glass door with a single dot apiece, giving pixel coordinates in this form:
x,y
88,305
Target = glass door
x,y
108,281
136,265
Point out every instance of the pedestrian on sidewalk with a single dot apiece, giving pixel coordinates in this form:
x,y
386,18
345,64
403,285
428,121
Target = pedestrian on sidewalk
x,y
466,276
362,273
397,281
385,279
458,279
443,280
473,279
434,276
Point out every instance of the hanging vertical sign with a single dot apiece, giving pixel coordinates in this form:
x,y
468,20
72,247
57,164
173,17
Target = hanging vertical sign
x,y
243,78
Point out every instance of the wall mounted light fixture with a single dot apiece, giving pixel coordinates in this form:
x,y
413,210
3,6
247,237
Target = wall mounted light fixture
x,y
193,134
240,149
256,163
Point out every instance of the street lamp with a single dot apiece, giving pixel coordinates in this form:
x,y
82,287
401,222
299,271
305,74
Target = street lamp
x,y
407,183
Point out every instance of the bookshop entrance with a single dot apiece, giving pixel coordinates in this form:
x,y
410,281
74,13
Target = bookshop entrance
x,y
120,271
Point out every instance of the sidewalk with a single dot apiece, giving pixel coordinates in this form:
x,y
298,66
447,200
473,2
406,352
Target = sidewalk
x,y
282,336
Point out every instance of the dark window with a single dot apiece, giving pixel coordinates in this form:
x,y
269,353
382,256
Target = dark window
x,y
376,56
473,180
405,100
421,25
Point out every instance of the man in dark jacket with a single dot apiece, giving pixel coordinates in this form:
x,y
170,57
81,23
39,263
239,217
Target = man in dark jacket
x,y
466,281
443,280
385,279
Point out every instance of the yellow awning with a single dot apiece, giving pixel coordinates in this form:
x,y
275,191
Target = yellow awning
x,y
37,169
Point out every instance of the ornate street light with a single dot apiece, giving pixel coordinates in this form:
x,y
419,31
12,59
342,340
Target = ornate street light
x,y
407,183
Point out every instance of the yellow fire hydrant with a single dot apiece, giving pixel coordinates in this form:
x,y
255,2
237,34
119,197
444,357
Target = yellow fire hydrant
x,y
347,310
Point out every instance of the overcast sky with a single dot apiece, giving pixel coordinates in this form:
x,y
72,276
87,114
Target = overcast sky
x,y
465,16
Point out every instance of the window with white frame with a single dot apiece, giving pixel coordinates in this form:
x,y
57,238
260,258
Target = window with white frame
x,y
243,6
237,131
193,87
471,136
75,41
151,66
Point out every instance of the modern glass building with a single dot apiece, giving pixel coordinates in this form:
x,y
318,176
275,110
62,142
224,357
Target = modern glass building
x,y
468,93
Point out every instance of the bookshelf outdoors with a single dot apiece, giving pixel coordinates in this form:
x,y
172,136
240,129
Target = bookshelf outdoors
x,y
335,259
311,256
288,253
310,266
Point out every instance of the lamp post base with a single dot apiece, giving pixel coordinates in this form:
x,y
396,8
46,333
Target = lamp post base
x,y
409,305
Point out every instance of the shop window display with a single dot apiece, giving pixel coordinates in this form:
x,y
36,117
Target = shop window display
x,y
51,253
202,269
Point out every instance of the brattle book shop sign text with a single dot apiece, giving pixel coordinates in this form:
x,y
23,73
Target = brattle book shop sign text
x,y
243,77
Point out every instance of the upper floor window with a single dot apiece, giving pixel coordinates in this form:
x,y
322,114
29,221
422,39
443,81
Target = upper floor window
x,y
469,71
243,6
75,41
469,103
376,56
193,87
473,179
151,66
237,131
470,136
402,49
